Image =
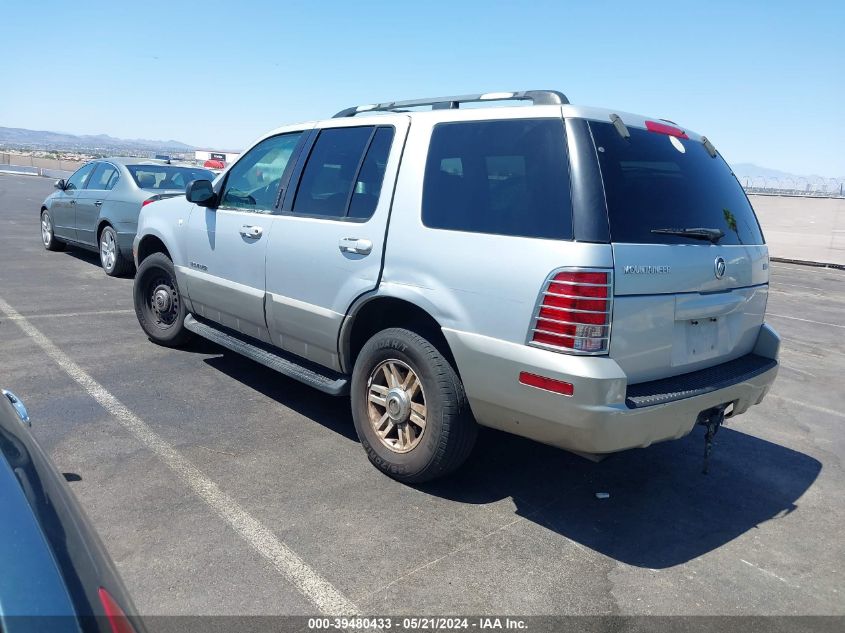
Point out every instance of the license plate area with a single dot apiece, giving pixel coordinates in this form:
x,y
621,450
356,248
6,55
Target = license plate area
x,y
702,337
696,340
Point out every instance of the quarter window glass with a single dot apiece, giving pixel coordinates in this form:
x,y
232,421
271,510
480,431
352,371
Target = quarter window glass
x,y
80,178
253,182
326,183
368,183
501,177
103,177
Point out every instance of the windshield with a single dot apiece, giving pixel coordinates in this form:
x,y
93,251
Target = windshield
x,y
167,176
653,181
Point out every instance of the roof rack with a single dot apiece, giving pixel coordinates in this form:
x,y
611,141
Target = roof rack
x,y
537,97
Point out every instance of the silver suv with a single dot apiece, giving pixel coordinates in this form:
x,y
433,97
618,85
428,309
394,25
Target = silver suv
x,y
591,279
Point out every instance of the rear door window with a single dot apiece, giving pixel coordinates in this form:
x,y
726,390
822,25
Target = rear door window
x,y
654,181
371,176
103,178
508,177
344,172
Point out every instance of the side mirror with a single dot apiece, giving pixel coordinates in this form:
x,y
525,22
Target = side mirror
x,y
201,192
60,184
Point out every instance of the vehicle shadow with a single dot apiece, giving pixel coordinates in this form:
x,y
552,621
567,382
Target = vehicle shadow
x,y
90,257
331,412
662,511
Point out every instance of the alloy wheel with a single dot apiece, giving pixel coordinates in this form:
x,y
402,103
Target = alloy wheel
x,y
46,229
396,405
108,250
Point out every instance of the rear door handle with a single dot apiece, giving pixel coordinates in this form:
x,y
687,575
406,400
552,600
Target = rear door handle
x,y
251,232
355,245
73,201
99,203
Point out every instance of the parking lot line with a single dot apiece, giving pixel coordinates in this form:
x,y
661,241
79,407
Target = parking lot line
x,y
783,316
63,315
314,587
807,405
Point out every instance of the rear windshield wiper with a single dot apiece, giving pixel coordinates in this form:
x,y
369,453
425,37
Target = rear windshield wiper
x,y
711,235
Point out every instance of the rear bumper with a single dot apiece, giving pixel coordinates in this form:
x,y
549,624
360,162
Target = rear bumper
x,y
603,415
124,242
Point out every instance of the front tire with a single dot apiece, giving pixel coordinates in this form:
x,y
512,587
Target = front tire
x,y
158,305
113,261
410,409
48,237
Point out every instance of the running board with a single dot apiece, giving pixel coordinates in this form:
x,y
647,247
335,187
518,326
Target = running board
x,y
312,375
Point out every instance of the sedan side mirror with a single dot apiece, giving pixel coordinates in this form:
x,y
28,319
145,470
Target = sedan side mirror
x,y
60,184
201,192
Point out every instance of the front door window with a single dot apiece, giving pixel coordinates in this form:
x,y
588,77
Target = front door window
x,y
253,182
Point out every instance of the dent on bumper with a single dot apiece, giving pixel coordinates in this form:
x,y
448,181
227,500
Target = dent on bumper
x,y
596,419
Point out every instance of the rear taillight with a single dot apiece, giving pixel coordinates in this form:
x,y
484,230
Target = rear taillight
x,y
149,200
117,618
573,315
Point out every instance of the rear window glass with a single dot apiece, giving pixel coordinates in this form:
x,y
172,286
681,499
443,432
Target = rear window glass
x,y
503,177
166,176
654,181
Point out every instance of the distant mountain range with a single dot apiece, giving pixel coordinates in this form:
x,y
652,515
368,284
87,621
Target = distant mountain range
x,y
37,139
751,171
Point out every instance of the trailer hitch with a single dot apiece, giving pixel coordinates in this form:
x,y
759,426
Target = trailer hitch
x,y
711,420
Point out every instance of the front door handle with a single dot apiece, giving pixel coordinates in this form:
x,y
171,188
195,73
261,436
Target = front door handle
x,y
73,201
355,245
251,232
99,203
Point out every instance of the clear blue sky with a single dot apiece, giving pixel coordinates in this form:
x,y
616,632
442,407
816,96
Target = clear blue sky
x,y
763,80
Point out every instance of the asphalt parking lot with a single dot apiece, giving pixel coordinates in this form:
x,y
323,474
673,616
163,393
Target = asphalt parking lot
x,y
243,492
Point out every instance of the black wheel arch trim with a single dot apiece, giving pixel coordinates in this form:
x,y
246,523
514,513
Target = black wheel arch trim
x,y
344,341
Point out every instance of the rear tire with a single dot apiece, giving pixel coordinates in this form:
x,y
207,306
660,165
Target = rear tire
x,y
113,261
48,237
158,304
410,409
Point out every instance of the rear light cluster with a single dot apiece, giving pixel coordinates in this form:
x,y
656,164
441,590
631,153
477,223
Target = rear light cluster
x,y
117,618
574,312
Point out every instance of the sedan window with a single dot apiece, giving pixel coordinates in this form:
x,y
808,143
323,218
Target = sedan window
x,y
104,177
80,178
166,176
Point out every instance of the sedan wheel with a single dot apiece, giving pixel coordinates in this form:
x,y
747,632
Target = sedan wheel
x,y
112,260
48,238
107,249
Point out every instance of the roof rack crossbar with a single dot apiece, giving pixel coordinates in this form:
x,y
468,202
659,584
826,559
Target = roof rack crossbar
x,y
537,97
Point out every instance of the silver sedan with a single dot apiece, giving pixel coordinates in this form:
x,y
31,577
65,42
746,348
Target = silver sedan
x,y
98,206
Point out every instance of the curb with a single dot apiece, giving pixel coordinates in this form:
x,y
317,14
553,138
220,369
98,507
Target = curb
x,y
14,172
804,262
